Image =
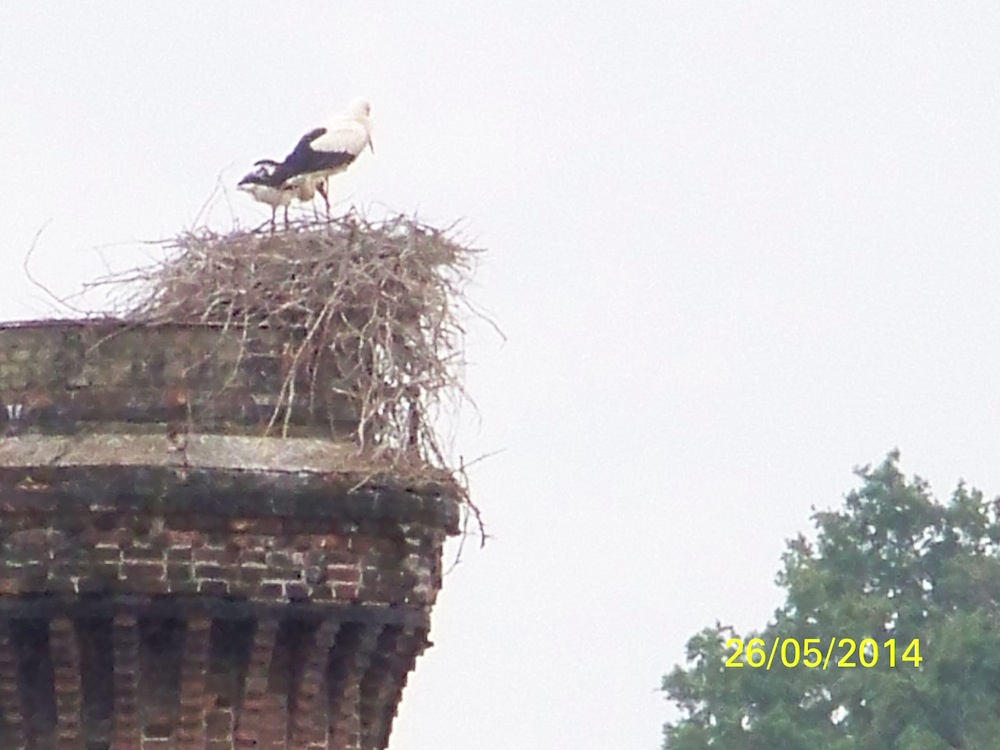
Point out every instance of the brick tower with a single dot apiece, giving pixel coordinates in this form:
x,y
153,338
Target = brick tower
x,y
172,580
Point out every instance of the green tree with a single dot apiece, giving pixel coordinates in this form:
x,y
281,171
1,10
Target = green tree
x,y
891,564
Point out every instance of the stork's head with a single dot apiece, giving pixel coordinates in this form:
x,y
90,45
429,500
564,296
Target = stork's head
x,y
360,109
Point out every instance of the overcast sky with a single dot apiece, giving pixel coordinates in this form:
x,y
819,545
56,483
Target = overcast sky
x,y
737,249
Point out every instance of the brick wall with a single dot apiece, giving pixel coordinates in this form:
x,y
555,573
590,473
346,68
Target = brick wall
x,y
73,376
240,592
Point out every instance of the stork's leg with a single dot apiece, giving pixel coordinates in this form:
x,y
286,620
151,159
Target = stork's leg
x,y
321,189
274,215
286,216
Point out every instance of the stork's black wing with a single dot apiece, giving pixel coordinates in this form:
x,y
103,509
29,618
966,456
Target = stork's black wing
x,y
304,159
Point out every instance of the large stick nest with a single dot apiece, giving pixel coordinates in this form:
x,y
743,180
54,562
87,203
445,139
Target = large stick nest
x,y
379,302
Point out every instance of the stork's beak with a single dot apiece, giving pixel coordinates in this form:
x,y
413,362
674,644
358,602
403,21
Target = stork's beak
x,y
370,145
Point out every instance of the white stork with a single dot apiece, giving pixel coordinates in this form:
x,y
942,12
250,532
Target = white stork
x,y
326,151
263,185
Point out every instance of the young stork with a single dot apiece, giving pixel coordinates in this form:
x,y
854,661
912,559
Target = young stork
x,y
263,184
326,151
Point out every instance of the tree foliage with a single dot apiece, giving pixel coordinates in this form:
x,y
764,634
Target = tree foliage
x,y
891,564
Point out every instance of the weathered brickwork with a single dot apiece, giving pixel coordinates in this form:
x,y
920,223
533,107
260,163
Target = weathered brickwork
x,y
97,549
73,376
239,592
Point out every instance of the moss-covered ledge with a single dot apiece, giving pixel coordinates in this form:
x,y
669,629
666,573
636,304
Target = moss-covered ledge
x,y
218,475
